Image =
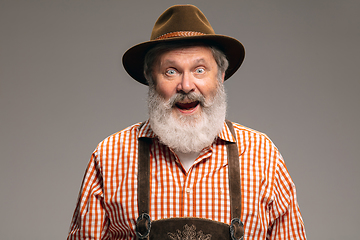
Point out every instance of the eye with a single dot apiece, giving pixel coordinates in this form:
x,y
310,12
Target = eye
x,y
200,70
170,72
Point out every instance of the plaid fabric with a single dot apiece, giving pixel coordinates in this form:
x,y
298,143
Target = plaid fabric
x,y
107,203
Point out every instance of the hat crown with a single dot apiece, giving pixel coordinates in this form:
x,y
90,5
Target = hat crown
x,y
181,18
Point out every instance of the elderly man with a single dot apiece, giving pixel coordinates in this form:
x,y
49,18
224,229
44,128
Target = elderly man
x,y
186,172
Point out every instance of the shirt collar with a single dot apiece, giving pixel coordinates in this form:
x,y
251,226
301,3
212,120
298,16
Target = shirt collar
x,y
226,135
146,131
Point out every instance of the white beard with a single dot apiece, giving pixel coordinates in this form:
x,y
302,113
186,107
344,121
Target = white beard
x,y
187,133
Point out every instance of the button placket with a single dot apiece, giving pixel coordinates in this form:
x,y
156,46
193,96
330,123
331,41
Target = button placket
x,y
187,194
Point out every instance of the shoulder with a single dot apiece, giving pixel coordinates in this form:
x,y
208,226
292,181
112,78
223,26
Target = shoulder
x,y
126,136
255,141
259,153
249,132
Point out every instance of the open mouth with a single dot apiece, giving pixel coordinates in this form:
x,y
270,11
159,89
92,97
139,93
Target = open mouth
x,y
187,106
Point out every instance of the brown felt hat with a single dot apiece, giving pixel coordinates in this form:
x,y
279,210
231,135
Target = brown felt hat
x,y
182,23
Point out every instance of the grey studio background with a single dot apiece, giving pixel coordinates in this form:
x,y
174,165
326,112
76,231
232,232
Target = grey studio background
x,y
63,89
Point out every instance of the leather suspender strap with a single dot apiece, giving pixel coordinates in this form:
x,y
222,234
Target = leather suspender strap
x,y
143,222
234,175
143,175
236,226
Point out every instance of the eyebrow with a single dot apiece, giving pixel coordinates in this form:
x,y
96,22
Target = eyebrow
x,y
200,60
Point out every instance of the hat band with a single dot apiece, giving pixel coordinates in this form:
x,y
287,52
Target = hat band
x,y
179,34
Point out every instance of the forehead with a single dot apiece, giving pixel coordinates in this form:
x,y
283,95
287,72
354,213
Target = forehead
x,y
191,53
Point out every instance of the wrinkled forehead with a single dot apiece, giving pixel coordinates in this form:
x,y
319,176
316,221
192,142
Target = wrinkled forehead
x,y
194,54
160,50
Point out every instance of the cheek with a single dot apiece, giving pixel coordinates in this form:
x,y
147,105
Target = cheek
x,y
166,90
208,90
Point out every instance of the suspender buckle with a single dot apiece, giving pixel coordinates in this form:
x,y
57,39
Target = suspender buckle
x,y
143,225
236,229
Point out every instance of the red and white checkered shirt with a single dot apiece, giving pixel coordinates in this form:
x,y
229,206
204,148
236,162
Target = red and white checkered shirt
x,y
107,204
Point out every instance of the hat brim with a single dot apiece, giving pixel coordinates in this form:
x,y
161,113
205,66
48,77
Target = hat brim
x,y
133,59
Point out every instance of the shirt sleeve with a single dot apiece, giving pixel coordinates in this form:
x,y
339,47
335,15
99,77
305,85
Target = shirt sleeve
x,y
285,214
89,220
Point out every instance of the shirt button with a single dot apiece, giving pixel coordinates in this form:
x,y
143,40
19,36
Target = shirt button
x,y
187,190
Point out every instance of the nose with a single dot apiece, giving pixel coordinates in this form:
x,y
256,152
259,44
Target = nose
x,y
186,83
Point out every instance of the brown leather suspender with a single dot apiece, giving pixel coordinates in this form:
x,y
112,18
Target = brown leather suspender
x,y
143,175
234,175
236,227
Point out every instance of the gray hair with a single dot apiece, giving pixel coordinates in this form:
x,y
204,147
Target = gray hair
x,y
153,54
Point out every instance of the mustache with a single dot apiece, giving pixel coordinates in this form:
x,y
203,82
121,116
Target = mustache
x,y
191,96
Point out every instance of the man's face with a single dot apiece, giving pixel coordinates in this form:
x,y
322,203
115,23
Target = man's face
x,y
186,70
